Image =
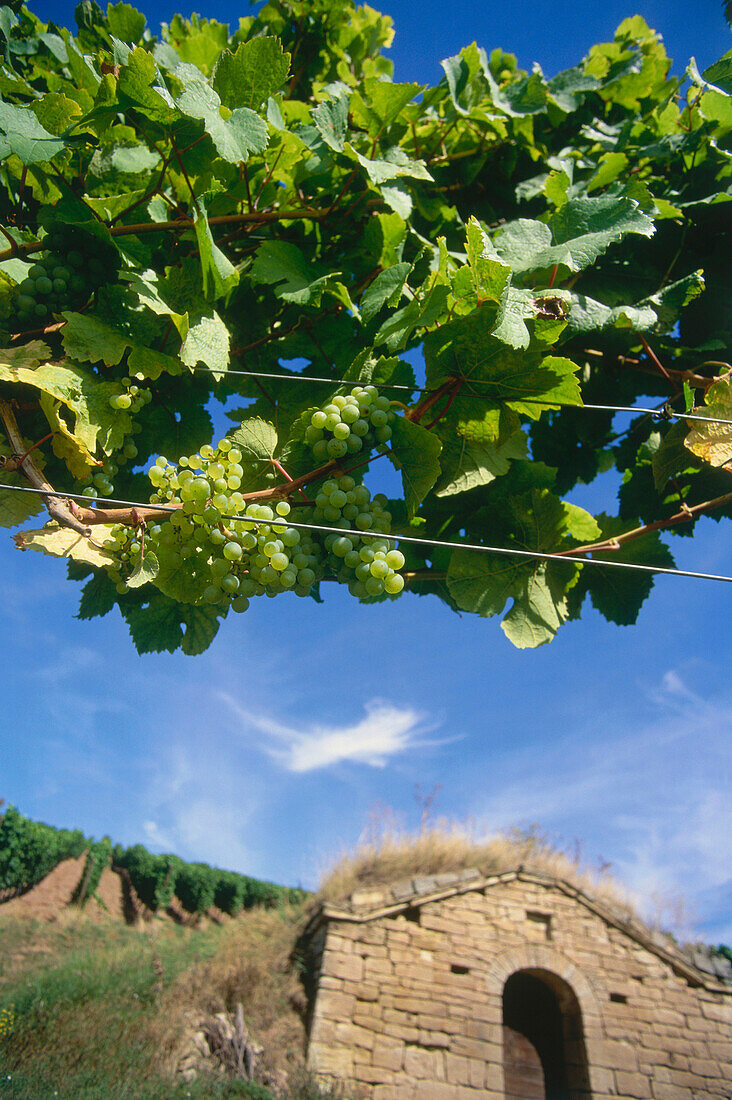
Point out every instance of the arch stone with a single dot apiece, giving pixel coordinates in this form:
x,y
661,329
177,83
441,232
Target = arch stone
x,y
542,957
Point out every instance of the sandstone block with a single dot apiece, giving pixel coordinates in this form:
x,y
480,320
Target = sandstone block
x,y
336,1006
433,1090
434,1039
325,1059
372,1075
670,1092
348,967
424,1064
352,1036
704,1067
633,1084
620,1055
721,1013
388,1054
457,1069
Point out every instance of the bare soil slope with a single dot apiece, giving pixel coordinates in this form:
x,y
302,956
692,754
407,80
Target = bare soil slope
x,y
47,900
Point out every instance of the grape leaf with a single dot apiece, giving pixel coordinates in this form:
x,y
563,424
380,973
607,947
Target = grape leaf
x,y
125,22
619,593
155,625
87,338
576,235
283,265
90,340
98,597
145,571
394,165
219,274
22,134
379,102
250,76
415,452
490,274
15,507
466,465
713,442
201,627
235,137
537,612
525,379
386,288
207,341
62,542
256,439
672,457
84,394
331,119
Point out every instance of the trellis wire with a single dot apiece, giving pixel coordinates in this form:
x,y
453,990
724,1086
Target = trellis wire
x,y
285,521
664,412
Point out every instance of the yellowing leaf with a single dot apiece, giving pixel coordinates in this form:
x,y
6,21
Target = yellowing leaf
x,y
713,442
61,542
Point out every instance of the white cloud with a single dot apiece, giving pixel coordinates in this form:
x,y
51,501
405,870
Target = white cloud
x,y
204,829
200,803
384,732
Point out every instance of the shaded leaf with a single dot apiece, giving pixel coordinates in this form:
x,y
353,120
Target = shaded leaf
x,y
284,266
21,133
415,452
98,597
219,274
386,288
619,593
145,571
256,439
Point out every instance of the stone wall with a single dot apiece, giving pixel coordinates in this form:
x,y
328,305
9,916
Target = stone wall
x,y
409,993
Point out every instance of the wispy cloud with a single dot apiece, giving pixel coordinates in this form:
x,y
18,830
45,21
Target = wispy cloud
x,y
384,732
653,799
199,804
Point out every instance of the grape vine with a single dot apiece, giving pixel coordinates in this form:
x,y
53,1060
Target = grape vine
x,y
453,280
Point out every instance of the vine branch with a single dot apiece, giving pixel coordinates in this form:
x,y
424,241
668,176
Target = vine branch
x,y
686,515
257,217
58,507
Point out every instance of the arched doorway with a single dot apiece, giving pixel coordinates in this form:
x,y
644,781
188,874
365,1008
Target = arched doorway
x,y
544,1055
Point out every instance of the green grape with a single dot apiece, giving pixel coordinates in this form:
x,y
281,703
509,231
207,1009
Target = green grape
x,y
232,551
336,448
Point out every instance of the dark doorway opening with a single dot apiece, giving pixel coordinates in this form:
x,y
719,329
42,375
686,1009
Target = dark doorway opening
x,y
544,1054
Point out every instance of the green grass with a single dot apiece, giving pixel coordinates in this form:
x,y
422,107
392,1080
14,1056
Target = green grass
x,y
87,1002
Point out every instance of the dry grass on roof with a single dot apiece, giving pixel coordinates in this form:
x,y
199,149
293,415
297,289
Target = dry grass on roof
x,y
390,854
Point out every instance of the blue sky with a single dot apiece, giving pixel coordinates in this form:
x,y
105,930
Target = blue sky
x,y
269,753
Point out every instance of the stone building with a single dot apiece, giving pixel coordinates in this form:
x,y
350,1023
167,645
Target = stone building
x,y
514,986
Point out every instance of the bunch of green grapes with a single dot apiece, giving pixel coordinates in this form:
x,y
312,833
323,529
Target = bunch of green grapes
x,y
369,566
99,482
72,266
231,551
348,424
234,550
